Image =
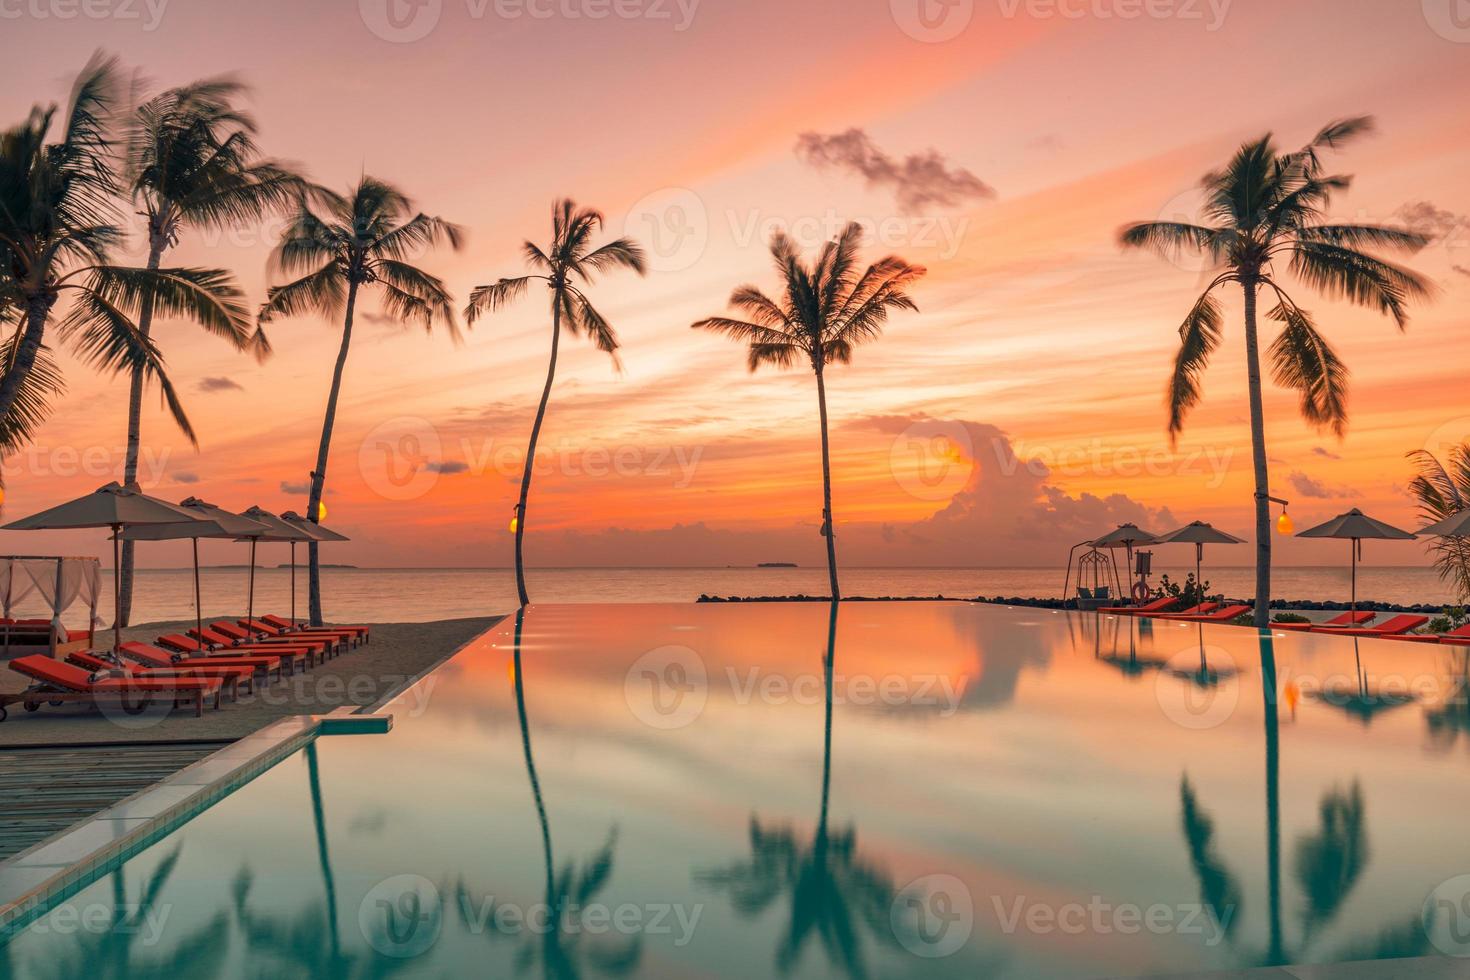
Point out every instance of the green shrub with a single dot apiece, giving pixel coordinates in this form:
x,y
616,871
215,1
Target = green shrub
x,y
1287,617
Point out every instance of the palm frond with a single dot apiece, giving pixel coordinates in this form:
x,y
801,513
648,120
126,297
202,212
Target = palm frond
x,y
1341,272
1365,236
1167,238
623,253
488,299
32,405
323,292
1305,362
1442,489
1199,335
208,297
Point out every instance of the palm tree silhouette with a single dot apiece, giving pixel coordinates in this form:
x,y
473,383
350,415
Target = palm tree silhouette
x,y
826,310
191,161
567,267
59,225
1442,490
1268,206
834,894
363,239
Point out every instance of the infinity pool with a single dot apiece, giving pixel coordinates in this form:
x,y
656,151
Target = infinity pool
x,y
893,789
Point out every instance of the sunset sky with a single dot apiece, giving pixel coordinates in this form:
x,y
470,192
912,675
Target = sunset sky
x,y
1020,411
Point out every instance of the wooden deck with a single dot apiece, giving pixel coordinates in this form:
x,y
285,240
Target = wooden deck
x,y
46,790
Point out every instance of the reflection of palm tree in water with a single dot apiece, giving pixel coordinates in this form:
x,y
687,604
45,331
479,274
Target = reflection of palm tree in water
x,y
1328,862
1450,719
558,953
833,893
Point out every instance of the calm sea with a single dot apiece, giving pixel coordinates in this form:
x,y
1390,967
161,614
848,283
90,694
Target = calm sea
x,y
419,595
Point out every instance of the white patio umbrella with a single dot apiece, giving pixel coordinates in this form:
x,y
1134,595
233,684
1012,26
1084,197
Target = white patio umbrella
x,y
1454,526
210,522
113,506
276,530
317,533
1354,527
1199,534
1126,535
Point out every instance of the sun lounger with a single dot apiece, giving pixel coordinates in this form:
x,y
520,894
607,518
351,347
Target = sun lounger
x,y
56,682
152,656
1459,636
1218,616
236,633
1398,624
346,637
1345,620
315,650
190,647
1198,610
361,632
1157,606
232,677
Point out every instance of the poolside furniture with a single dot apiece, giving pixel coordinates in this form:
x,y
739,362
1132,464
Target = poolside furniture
x,y
345,637
1198,610
243,634
1218,616
59,683
1459,636
190,647
232,677
60,581
1398,624
152,656
1157,606
361,632
1347,619
215,637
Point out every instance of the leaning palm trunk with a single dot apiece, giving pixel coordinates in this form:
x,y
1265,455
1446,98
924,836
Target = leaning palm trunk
x,y
37,313
531,452
1262,614
135,424
828,525
319,475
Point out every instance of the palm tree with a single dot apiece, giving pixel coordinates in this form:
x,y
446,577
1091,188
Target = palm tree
x,y
363,239
826,310
1268,206
191,162
567,267
1442,489
58,229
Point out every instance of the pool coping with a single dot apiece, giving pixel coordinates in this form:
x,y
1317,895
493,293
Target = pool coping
x,y
46,874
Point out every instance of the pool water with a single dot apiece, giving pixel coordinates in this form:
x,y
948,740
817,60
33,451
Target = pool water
x,y
886,789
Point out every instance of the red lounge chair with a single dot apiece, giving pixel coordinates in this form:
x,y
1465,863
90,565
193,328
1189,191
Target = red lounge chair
x,y
190,647
232,677
62,682
1198,610
1399,624
315,650
238,634
1347,619
1460,636
1218,616
1157,606
265,629
361,633
152,656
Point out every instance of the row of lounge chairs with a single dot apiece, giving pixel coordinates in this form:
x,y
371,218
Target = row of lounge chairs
x,y
1358,623
223,659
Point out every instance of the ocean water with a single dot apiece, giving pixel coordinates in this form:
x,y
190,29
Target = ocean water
x,y
427,594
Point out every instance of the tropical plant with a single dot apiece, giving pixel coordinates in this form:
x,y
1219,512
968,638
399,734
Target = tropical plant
x,y
567,267
826,309
1267,207
336,246
58,230
1442,490
190,161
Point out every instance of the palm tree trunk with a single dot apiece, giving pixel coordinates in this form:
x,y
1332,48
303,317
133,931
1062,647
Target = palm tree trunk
x,y
1276,955
520,691
156,245
829,667
531,450
1262,615
37,310
828,525
319,475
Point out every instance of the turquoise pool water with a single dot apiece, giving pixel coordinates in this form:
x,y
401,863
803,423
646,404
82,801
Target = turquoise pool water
x,y
899,789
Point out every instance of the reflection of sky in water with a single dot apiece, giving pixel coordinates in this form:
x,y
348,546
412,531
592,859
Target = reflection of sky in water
x,y
1047,765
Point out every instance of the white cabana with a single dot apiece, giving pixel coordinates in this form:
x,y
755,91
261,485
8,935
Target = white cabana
x,y
61,582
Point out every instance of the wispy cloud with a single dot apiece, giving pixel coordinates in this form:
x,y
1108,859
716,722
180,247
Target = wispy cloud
x,y
1315,489
219,384
186,477
918,181
1427,218
448,467
1324,453
295,488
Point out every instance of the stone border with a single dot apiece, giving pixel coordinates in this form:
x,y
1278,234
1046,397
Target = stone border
x,y
41,877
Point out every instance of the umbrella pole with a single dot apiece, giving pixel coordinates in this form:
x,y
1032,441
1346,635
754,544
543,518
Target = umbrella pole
x,y
293,583
116,590
250,596
1353,546
1199,557
198,605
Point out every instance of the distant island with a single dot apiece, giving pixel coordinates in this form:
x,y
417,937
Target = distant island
x,y
777,564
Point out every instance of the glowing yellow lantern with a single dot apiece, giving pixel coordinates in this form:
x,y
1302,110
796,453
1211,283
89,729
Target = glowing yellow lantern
x,y
1284,524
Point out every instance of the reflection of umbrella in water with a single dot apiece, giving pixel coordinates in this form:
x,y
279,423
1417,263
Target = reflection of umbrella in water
x,y
113,506
1362,702
1132,665
1199,534
210,522
1353,527
1204,675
